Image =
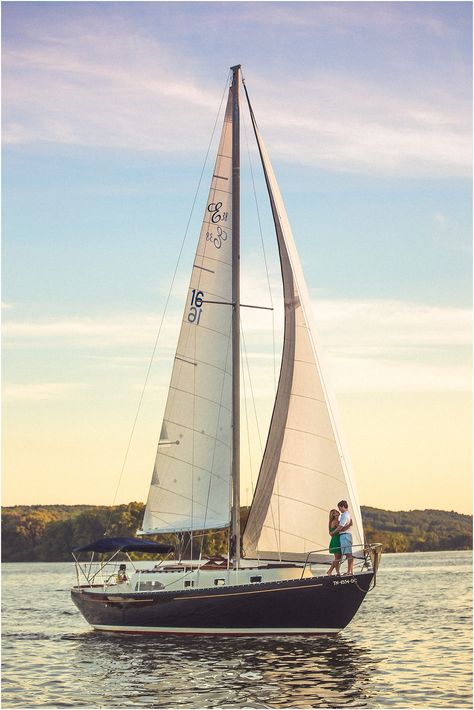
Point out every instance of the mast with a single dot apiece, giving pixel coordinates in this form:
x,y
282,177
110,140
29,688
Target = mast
x,y
235,529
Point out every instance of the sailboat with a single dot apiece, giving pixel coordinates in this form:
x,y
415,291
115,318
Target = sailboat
x,y
274,579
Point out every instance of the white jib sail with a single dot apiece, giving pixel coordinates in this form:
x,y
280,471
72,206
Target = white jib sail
x,y
191,483
305,470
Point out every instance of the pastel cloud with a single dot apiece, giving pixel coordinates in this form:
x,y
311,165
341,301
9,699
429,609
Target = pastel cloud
x,y
344,17
97,332
39,391
387,346
98,90
368,344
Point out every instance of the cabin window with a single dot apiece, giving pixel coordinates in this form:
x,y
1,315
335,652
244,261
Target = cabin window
x,y
255,579
218,582
148,586
189,582
144,586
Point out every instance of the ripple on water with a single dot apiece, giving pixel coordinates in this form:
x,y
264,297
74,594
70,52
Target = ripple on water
x,y
398,651
25,635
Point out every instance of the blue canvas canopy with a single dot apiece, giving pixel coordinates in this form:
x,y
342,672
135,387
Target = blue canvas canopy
x,y
125,544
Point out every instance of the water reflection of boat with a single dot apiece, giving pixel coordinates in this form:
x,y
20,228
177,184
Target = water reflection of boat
x,y
264,672
273,579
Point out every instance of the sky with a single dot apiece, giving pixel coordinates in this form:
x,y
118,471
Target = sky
x,y
108,111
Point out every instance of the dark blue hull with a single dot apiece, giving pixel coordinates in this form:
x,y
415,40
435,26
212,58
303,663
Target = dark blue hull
x,y
306,606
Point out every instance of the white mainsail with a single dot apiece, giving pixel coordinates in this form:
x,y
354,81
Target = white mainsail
x,y
191,483
305,470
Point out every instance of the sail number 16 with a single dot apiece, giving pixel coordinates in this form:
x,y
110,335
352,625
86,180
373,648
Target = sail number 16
x,y
196,302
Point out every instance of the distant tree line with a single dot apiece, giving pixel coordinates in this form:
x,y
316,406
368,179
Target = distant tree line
x,y
418,530
47,533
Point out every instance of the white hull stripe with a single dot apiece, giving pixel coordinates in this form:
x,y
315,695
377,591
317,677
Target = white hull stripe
x,y
222,631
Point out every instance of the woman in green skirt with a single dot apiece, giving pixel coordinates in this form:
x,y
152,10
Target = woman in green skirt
x,y
334,545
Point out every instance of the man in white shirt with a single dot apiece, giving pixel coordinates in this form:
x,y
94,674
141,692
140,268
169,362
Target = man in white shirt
x,y
345,536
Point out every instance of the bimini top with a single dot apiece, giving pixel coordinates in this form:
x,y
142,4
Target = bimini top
x,y
125,544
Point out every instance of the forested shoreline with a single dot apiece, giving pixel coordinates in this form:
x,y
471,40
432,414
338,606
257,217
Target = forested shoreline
x,y
47,533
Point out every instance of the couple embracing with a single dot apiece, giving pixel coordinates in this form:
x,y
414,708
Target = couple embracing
x,y
341,539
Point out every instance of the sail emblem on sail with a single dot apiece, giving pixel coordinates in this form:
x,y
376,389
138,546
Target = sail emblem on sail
x,y
195,485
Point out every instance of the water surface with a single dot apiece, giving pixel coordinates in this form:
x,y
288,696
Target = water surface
x,y
410,645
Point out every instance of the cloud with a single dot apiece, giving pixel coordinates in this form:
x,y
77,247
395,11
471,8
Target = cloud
x,y
389,345
39,391
378,345
375,374
368,345
97,89
346,17
380,324
354,124
93,332
392,324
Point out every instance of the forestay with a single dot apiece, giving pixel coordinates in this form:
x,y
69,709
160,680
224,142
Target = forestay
x,y
305,470
191,483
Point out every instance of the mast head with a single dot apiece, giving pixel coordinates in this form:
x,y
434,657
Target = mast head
x,y
237,66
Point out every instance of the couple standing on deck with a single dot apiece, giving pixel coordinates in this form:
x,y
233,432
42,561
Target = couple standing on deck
x,y
341,539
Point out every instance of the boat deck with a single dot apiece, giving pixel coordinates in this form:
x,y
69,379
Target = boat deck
x,y
176,577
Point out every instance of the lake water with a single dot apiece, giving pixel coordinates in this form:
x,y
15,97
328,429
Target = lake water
x,y
409,646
